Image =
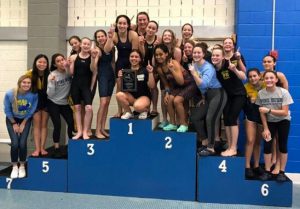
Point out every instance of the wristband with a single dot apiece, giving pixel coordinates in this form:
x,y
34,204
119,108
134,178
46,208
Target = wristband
x,y
270,110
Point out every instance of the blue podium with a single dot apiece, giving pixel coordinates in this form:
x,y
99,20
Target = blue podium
x,y
43,174
139,161
221,180
136,161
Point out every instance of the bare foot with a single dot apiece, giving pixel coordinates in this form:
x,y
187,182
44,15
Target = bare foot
x,y
117,115
85,135
77,136
90,133
44,152
100,136
36,153
229,153
105,133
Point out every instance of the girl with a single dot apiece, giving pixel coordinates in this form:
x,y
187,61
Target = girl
x,y
81,88
58,89
19,107
207,115
142,20
140,100
125,41
39,76
104,62
75,43
187,31
231,80
275,116
269,64
252,123
187,57
179,87
234,56
146,47
169,39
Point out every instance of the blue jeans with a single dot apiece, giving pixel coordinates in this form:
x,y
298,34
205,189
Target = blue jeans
x,y
18,142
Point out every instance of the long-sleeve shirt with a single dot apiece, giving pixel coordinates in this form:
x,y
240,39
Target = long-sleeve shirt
x,y
26,105
209,78
58,89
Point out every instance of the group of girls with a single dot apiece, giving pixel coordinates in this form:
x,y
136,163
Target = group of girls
x,y
188,73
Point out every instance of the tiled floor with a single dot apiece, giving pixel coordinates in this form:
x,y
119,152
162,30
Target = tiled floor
x,y
17,199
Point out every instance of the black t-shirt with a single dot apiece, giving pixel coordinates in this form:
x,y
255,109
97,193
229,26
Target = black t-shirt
x,y
229,80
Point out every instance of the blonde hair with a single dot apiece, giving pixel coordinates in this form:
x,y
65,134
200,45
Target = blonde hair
x,y
17,90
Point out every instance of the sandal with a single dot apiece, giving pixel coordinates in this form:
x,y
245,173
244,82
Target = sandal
x,y
153,113
206,152
182,128
170,127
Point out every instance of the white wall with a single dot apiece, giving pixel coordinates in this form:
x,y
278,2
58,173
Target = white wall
x,y
13,13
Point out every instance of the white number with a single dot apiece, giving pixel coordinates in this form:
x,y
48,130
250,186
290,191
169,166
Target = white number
x,y
265,190
91,150
168,144
9,181
223,167
45,166
130,129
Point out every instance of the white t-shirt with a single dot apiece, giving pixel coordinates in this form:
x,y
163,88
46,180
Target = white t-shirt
x,y
275,100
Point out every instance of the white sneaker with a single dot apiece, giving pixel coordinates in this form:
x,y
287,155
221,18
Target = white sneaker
x,y
22,172
126,115
14,172
143,115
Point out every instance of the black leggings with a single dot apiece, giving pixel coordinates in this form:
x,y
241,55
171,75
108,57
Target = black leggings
x,y
206,118
282,128
55,111
232,109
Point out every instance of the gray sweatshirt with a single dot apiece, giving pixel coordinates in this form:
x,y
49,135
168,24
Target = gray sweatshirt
x,y
58,90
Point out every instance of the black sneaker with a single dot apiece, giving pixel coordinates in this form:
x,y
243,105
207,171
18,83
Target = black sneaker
x,y
258,171
202,147
220,146
249,174
266,176
281,177
57,153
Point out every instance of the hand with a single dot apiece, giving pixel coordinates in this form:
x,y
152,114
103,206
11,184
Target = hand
x,y
111,31
266,135
16,128
171,65
51,77
264,110
166,99
94,53
149,67
120,73
231,66
21,127
237,54
141,40
67,63
156,42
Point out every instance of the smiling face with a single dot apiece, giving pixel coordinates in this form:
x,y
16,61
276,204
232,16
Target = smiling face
x,y
25,85
122,25
86,45
59,63
198,54
41,64
101,38
142,21
75,44
217,56
134,59
151,29
270,79
187,31
228,45
253,77
167,37
160,56
269,63
188,49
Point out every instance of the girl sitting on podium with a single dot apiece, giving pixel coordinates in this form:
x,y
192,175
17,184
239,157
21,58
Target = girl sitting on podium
x,y
139,97
179,86
19,106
